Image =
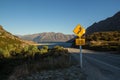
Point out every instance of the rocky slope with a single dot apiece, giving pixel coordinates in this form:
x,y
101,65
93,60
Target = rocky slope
x,y
48,37
109,24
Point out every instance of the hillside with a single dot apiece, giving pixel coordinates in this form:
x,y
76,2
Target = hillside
x,y
104,35
48,37
104,41
109,24
8,40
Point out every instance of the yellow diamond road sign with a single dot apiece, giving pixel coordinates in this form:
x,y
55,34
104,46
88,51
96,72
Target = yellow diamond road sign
x,y
79,30
80,41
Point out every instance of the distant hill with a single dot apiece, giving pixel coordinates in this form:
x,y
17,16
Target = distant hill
x,y
104,35
48,37
109,24
8,40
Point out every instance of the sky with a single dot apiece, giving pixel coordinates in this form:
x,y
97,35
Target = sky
x,y
22,17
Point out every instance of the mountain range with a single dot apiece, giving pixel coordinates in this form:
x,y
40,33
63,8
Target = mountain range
x,y
109,24
48,37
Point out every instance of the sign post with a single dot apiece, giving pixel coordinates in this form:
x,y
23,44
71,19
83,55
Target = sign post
x,y
80,56
79,31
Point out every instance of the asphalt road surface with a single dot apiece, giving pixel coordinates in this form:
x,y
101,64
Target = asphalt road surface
x,y
98,65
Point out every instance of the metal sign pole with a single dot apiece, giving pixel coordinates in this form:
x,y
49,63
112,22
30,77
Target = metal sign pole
x,y
79,31
81,56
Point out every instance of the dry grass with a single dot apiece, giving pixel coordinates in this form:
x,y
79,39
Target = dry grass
x,y
39,65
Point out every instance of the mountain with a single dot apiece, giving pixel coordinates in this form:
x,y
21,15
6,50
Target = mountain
x,y
109,24
48,37
8,40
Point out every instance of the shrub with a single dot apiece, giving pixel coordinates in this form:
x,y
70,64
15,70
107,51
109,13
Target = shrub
x,y
25,49
32,50
58,48
45,47
1,53
42,51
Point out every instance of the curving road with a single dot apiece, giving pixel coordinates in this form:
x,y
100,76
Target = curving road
x,y
98,65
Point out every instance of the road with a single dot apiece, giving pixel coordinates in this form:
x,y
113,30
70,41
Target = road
x,y
98,65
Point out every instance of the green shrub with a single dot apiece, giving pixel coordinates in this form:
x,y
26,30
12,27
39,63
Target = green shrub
x,y
58,48
45,47
25,49
43,51
32,50
1,53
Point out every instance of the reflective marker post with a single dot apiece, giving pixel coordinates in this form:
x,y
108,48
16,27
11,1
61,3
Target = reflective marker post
x,y
81,56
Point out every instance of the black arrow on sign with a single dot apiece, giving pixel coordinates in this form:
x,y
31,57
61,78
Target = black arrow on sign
x,y
79,30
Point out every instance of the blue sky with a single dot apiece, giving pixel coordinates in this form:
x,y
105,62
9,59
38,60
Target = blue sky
x,y
36,16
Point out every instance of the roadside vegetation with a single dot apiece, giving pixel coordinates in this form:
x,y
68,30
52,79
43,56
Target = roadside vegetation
x,y
16,62
20,57
103,41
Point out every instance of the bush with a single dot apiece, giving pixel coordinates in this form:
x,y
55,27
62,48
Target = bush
x,y
32,50
35,60
45,47
1,53
43,51
58,48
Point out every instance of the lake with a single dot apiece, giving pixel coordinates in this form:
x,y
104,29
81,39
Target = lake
x,y
52,44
